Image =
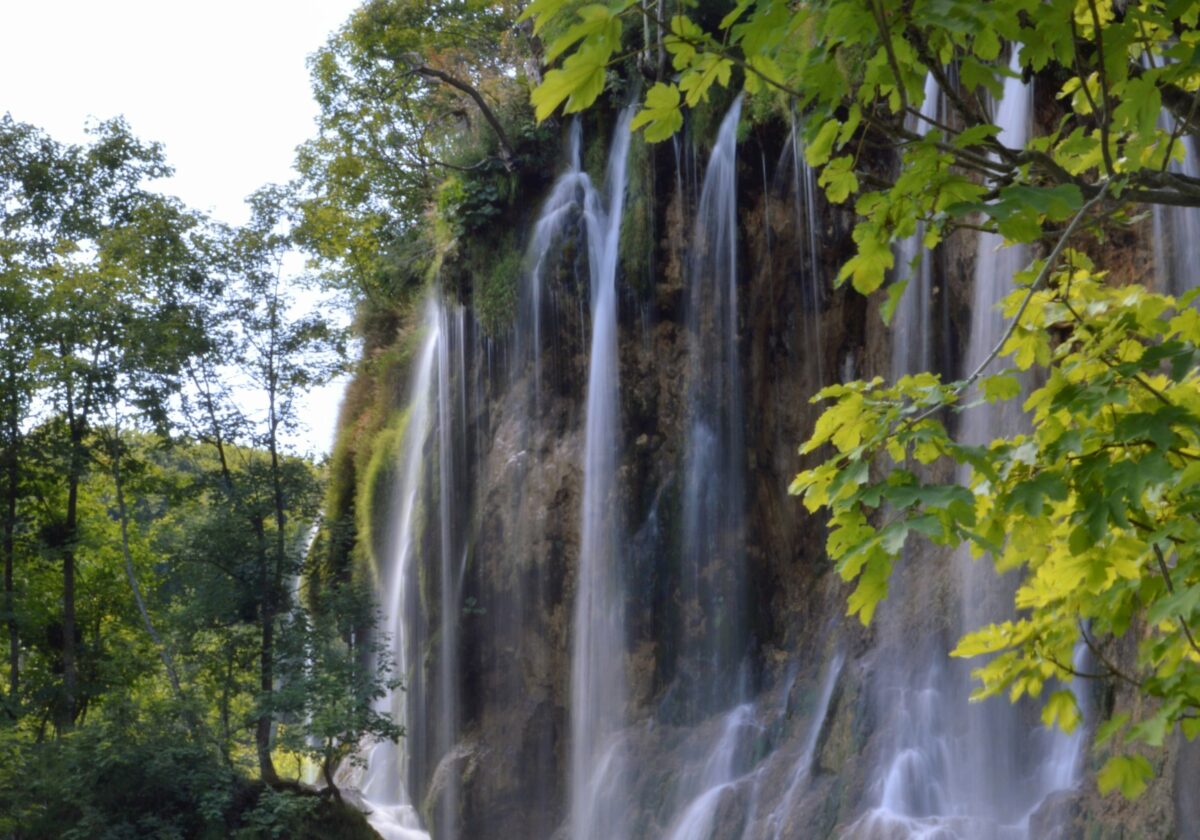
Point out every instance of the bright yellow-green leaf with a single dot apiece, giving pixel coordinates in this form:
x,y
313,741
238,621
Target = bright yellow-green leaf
x,y
763,72
838,179
738,10
818,151
579,82
869,266
1129,773
542,11
1001,386
1062,711
596,20
708,70
660,113
681,40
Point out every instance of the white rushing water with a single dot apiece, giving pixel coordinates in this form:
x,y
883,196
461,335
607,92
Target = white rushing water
x,y
1177,229
451,422
560,215
715,776
952,769
802,770
808,232
598,800
912,322
385,782
712,584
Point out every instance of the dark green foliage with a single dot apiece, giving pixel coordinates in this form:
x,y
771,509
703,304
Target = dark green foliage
x,y
134,773
496,288
332,681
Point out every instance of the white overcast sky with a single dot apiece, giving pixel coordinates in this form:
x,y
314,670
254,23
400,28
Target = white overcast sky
x,y
221,83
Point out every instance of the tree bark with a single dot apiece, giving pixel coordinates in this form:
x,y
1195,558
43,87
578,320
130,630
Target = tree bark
x,y
262,727
70,703
12,473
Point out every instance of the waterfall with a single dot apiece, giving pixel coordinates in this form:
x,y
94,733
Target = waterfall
x,y
954,769
599,809
1177,229
728,771
996,755
912,323
558,217
712,582
451,426
385,782
804,190
717,775
803,767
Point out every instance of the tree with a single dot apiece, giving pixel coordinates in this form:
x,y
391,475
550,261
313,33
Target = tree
x,y
262,345
333,682
1098,504
98,258
18,325
153,518
408,92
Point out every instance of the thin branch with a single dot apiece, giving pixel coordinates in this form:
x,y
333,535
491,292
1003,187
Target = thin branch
x,y
1034,287
1099,654
885,33
1067,669
1166,576
507,153
1105,117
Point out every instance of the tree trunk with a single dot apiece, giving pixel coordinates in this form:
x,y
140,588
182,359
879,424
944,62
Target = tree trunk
x,y
10,526
70,532
266,662
327,772
163,651
262,728
226,691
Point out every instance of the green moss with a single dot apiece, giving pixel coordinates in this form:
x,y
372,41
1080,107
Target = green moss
x,y
496,289
637,226
595,153
370,404
375,490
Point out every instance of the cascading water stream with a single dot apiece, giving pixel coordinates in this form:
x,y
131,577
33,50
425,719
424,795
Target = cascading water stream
x,y
712,582
995,760
953,769
807,232
451,422
598,804
803,767
717,774
712,585
1177,229
385,783
912,324
559,214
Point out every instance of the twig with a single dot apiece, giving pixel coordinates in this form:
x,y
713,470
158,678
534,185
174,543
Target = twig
x,y
1099,654
1034,287
1166,575
1104,115
885,33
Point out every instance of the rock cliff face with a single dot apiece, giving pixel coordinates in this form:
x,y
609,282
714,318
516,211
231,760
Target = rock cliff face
x,y
797,749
